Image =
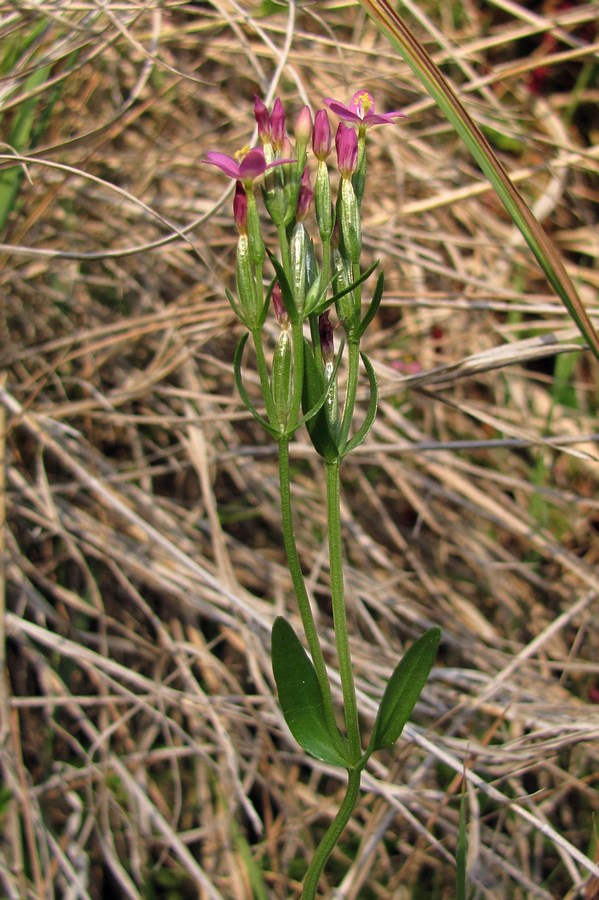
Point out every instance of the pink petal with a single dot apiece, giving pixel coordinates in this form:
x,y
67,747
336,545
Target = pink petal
x,y
252,165
225,163
343,111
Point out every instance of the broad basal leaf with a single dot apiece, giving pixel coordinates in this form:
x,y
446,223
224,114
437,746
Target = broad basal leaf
x,y
404,689
301,698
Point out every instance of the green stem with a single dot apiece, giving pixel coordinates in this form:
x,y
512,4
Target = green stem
x,y
351,391
350,707
332,835
301,593
297,335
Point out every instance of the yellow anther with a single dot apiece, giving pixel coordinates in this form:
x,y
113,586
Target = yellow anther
x,y
241,154
364,103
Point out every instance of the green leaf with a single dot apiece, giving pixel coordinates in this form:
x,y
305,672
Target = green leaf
x,y
245,398
370,412
313,397
374,304
461,853
404,689
446,99
300,697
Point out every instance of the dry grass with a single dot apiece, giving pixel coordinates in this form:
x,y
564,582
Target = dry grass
x,y
141,743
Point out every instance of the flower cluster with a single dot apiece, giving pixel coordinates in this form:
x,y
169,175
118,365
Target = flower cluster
x,y
312,274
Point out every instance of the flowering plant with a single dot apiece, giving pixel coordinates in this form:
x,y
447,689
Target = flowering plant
x,y
314,279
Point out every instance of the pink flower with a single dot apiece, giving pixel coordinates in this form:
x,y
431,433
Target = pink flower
x,y
250,166
361,110
346,144
246,166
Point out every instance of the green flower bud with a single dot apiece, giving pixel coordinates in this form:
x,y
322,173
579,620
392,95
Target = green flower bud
x,y
246,282
342,278
256,244
281,382
322,202
349,220
298,250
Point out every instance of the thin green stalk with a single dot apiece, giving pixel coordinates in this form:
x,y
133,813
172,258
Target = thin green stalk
x,y
297,334
332,835
350,707
299,586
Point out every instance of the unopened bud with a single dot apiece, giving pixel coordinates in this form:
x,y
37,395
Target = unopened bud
x,y
281,382
325,333
279,306
304,199
303,127
321,136
346,144
240,208
277,125
262,117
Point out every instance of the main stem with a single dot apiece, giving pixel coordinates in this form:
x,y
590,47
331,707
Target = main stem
x,y
350,707
301,593
332,835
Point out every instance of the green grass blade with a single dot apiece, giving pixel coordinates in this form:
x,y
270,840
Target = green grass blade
x,y
18,139
435,83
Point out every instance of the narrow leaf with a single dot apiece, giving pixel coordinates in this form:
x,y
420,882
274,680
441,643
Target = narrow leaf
x,y
404,689
245,398
435,83
461,850
370,412
300,696
374,304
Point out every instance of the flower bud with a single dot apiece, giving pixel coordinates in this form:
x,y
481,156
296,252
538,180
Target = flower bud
x,y
349,221
304,198
321,136
277,125
303,127
279,306
298,246
325,333
322,202
281,381
246,282
346,144
262,117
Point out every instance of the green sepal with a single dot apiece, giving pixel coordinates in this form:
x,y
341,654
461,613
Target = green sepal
x,y
368,422
374,305
314,395
245,399
301,698
403,690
